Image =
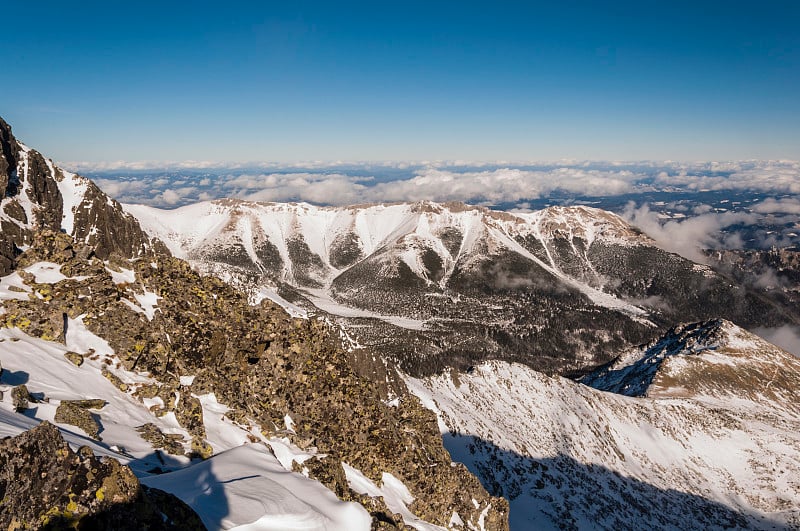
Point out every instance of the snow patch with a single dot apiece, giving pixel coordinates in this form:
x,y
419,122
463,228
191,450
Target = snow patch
x,y
394,493
246,488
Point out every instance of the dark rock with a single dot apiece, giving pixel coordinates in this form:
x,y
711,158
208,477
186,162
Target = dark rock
x,y
89,403
75,415
43,191
171,443
15,210
8,160
21,397
45,485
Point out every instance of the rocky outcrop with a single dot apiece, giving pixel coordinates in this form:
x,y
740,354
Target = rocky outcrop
x,y
77,414
260,363
32,198
107,229
8,160
46,485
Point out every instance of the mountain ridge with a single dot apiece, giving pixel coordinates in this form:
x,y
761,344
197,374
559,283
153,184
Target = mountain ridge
x,y
568,455
432,274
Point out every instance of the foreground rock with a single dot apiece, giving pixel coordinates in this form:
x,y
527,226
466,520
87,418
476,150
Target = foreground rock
x,y
45,485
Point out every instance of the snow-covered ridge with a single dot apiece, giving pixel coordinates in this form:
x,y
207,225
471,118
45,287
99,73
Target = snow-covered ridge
x,y
72,189
710,359
562,451
309,246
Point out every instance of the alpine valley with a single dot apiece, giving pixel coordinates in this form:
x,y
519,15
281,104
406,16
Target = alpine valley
x,y
236,365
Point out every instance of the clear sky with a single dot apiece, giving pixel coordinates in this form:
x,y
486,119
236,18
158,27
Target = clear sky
x,y
385,80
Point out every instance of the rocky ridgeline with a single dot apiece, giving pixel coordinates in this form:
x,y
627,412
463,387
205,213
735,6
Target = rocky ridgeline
x,y
255,359
32,190
46,485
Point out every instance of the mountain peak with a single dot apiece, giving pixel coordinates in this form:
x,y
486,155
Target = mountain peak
x,y
35,194
712,358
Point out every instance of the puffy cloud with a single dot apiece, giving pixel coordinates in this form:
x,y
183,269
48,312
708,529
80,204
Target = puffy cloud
x,y
333,188
119,189
786,205
787,337
762,176
170,197
688,236
504,184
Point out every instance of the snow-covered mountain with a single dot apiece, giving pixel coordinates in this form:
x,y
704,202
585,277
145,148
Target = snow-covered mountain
x,y
38,195
712,444
258,420
254,419
560,289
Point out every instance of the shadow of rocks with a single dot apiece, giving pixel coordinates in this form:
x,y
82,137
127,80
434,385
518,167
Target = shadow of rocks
x,y
14,378
561,493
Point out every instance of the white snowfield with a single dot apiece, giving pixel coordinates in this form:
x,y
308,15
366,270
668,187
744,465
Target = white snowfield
x,y
393,233
562,450
246,488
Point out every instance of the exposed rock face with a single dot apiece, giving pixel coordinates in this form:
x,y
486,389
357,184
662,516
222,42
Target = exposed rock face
x,y
101,223
45,485
36,195
8,160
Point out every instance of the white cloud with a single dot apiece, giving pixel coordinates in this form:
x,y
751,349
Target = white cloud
x,y
341,183
687,236
762,176
787,337
494,186
786,205
170,197
120,189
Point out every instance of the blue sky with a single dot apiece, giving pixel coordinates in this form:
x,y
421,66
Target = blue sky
x,y
246,81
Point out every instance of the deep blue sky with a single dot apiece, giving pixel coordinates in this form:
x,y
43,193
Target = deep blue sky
x,y
380,80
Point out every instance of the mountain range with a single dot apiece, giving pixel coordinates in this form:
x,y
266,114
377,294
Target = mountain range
x,y
247,365
433,286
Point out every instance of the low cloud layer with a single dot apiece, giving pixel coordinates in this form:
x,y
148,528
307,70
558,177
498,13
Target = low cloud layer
x,y
688,236
486,183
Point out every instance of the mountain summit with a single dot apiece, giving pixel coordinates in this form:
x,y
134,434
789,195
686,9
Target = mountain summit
x,y
37,195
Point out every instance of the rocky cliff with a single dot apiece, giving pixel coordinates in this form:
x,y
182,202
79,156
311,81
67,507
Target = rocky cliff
x,y
37,195
44,484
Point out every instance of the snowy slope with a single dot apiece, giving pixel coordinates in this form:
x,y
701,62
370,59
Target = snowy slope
x,y
408,230
241,486
710,359
246,488
569,455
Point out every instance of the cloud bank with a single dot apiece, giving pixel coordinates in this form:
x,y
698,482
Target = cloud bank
x,y
688,236
485,183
